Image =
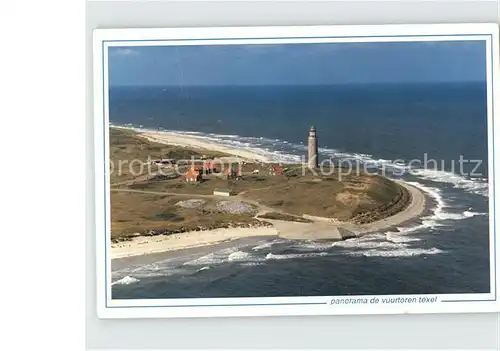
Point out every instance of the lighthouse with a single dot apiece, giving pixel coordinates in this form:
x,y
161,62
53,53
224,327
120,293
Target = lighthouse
x,y
312,148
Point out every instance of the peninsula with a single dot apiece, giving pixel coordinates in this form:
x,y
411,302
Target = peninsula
x,y
172,191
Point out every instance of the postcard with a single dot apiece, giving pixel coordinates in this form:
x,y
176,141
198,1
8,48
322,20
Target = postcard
x,y
311,170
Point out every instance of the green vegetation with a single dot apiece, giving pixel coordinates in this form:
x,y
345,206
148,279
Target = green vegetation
x,y
157,214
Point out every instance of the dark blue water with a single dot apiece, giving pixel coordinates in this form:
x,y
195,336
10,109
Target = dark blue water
x,y
447,253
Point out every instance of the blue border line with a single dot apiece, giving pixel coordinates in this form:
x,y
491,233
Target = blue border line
x,y
274,38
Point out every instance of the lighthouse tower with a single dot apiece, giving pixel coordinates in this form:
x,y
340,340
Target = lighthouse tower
x,y
312,148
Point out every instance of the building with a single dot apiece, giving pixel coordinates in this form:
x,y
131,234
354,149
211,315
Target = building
x,y
312,148
223,192
275,170
209,167
193,175
230,174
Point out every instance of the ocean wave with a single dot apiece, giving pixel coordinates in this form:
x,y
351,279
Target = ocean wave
x,y
439,212
212,258
477,186
238,256
314,246
397,244
205,268
157,269
403,252
271,256
472,214
439,216
264,147
263,246
400,238
251,264
370,241
233,254
125,281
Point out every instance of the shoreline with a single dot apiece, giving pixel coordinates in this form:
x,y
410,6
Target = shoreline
x,y
318,230
144,245
202,143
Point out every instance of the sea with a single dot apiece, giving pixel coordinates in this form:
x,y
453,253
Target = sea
x,y
395,129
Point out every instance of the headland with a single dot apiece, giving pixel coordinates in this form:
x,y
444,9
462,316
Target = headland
x,y
179,191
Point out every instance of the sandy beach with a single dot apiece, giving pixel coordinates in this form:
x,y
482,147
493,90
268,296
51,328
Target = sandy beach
x,y
203,143
162,243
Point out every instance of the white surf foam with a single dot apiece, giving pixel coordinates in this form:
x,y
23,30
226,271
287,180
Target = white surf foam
x,y
126,280
396,244
477,186
472,214
315,246
232,254
158,269
203,269
262,246
439,216
271,256
369,242
403,252
238,256
253,144
439,213
251,264
268,244
400,238
212,258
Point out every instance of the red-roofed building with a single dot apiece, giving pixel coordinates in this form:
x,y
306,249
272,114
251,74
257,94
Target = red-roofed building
x,y
209,167
230,174
275,170
193,175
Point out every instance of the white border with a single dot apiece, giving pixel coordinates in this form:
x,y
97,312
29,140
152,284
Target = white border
x,y
108,308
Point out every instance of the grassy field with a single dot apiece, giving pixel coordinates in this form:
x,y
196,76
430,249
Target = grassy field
x,y
324,196
145,214
359,198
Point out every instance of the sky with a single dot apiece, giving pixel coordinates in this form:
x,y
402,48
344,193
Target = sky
x,y
298,64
